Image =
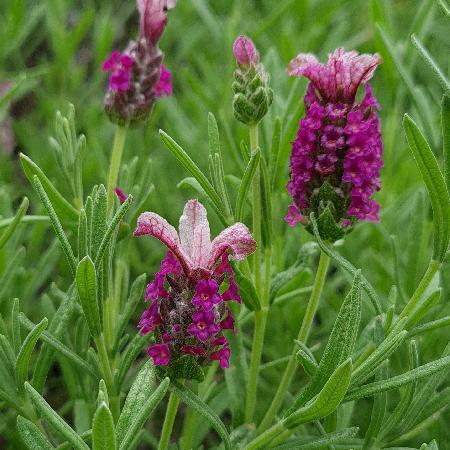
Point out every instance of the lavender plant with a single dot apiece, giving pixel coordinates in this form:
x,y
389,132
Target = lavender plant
x,y
274,334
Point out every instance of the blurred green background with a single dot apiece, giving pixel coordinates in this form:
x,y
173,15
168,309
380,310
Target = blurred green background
x,y
54,50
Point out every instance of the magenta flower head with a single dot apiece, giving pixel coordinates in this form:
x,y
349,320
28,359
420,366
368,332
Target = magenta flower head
x,y
337,154
137,76
189,296
252,93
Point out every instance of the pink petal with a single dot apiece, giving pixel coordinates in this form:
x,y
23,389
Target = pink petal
x,y
340,77
154,17
237,238
154,225
194,233
300,63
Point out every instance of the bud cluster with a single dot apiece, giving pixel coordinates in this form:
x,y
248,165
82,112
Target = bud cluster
x,y
252,93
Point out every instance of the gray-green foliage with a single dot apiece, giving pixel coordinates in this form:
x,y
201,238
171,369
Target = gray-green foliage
x,y
73,368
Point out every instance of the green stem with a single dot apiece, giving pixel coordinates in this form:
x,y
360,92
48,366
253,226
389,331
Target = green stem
x,y
433,267
260,316
302,336
171,412
264,439
114,164
256,211
105,366
255,361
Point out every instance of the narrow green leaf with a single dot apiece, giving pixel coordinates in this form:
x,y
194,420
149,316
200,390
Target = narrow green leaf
x,y
247,290
306,359
82,235
23,358
444,7
429,326
103,433
194,402
337,437
15,326
246,182
327,400
445,119
86,279
14,223
58,328
445,83
32,436
141,389
213,134
63,208
422,395
266,205
423,308
99,218
400,412
428,166
143,413
54,420
134,348
67,249
341,341
382,352
12,268
106,240
236,377
4,223
136,295
8,365
186,161
59,346
86,436
347,266
399,380
102,394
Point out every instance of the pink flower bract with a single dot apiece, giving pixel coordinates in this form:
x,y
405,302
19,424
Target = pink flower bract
x,y
193,247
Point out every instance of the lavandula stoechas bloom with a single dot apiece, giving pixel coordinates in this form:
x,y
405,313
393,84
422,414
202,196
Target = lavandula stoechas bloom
x,y
137,76
337,154
252,94
189,295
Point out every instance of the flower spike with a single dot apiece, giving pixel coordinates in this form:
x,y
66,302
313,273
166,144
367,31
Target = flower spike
x,y
188,312
337,154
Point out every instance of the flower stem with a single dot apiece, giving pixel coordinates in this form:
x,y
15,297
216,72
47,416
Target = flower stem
x,y
260,316
302,336
105,366
171,412
114,164
256,211
255,361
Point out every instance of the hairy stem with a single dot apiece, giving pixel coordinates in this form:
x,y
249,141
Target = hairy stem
x,y
302,336
114,164
171,412
260,316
